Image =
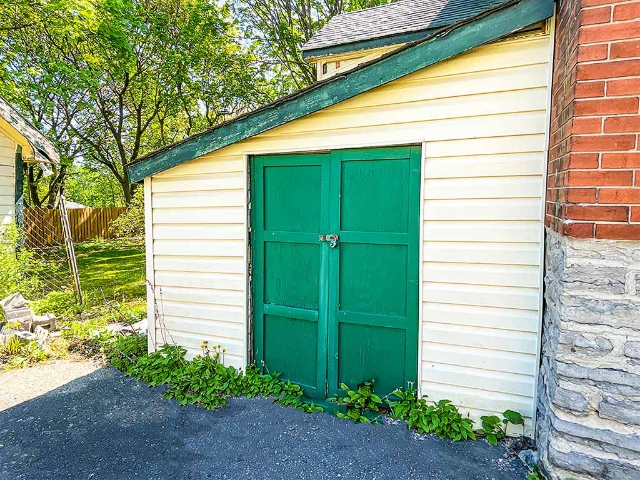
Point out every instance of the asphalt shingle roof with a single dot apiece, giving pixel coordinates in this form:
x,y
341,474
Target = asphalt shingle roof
x,y
396,18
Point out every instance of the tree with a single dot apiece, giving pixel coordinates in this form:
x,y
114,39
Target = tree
x,y
280,27
93,187
127,76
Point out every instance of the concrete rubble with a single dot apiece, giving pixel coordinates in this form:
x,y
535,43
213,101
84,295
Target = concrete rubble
x,y
21,322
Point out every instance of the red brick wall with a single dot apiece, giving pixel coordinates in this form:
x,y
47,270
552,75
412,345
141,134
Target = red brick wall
x,y
593,187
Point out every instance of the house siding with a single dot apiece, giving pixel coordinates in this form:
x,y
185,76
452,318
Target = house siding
x,y
7,179
482,118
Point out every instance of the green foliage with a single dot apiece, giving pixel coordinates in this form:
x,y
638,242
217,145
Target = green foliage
x,y
536,474
130,224
21,353
494,429
442,418
126,351
113,281
20,269
93,187
108,80
61,303
491,429
13,346
279,29
205,380
358,402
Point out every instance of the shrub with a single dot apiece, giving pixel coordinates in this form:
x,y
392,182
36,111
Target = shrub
x,y
494,429
131,222
19,268
205,380
442,418
358,402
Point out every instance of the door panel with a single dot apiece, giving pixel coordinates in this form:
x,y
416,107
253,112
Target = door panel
x,y
375,196
289,211
373,312
349,313
291,274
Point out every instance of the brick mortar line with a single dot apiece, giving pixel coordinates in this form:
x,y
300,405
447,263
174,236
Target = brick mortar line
x,y
606,60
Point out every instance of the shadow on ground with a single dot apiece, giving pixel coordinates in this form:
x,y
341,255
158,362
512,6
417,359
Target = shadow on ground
x,y
106,426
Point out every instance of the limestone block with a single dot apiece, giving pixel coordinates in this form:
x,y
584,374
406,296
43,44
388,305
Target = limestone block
x,y
610,380
620,313
599,468
632,350
570,401
624,411
599,438
595,276
579,343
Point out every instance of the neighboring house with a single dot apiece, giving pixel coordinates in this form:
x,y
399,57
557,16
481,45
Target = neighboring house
x,y
71,205
388,222
19,142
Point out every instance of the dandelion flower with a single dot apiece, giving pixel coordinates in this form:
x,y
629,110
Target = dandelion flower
x,y
215,355
197,355
224,350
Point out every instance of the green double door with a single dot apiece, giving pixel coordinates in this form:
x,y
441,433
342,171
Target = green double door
x,y
335,267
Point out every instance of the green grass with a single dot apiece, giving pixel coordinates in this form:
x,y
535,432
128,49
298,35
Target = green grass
x,y
112,277
113,269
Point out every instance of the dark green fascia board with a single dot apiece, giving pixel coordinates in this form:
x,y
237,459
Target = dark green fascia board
x,y
446,43
19,186
367,44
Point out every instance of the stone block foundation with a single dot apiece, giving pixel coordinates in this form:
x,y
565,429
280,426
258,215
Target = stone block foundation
x,y
589,388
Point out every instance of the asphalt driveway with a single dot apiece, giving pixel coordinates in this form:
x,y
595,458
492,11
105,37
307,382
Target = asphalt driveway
x,y
106,426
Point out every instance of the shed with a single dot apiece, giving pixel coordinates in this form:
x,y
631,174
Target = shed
x,y
20,142
384,223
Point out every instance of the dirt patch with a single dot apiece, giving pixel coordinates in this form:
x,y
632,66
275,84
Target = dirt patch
x,y
20,385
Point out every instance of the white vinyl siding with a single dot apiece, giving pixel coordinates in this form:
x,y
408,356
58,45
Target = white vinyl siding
x,y
482,118
7,179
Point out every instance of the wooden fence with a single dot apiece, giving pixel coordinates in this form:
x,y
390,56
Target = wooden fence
x,y
42,226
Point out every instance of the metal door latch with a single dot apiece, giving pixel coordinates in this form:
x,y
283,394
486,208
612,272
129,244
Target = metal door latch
x,y
332,239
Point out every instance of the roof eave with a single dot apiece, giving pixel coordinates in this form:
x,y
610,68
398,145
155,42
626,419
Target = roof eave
x,y
311,54
27,136
486,27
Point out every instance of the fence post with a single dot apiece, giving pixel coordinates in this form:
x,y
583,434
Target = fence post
x,y
71,252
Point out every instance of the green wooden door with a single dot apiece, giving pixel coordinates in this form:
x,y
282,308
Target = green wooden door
x,y
347,312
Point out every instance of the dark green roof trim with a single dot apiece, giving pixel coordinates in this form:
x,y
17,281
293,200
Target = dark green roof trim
x,y
19,186
368,44
445,43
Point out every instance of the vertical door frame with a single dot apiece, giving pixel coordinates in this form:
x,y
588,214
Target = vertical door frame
x,y
247,172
